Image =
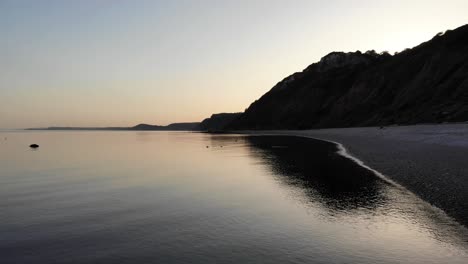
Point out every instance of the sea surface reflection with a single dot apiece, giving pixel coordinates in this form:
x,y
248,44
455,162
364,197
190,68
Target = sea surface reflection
x,y
171,197
327,178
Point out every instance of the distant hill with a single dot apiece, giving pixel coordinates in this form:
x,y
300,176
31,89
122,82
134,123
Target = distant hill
x,y
428,83
173,127
140,127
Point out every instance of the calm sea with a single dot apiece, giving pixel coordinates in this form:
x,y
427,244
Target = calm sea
x,y
173,197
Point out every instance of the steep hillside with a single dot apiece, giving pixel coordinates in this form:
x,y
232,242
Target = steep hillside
x,y
428,83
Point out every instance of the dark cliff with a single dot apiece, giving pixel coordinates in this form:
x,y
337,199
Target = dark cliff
x,y
217,122
428,83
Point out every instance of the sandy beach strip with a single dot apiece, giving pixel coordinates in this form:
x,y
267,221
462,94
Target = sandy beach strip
x,y
429,160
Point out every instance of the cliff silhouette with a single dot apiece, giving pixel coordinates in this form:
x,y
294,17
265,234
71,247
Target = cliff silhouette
x,y
425,84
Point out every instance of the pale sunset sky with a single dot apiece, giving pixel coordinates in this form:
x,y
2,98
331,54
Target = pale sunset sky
x,y
120,63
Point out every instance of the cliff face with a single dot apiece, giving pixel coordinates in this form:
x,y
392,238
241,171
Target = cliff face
x,y
428,83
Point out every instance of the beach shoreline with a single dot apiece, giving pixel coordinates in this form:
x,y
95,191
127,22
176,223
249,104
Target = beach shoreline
x,y
428,160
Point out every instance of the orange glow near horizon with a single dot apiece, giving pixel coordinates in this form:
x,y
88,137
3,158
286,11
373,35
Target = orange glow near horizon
x,y
93,63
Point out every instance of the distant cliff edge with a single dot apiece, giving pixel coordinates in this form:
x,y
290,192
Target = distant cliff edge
x,y
218,122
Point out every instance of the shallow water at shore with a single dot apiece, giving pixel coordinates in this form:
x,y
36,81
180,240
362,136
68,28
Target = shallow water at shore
x,y
172,197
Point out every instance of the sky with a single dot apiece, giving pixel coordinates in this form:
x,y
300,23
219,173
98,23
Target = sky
x,y
120,63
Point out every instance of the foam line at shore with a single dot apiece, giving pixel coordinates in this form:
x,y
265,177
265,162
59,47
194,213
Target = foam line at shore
x,y
342,151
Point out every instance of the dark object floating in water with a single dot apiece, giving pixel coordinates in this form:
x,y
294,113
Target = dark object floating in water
x,y
34,146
